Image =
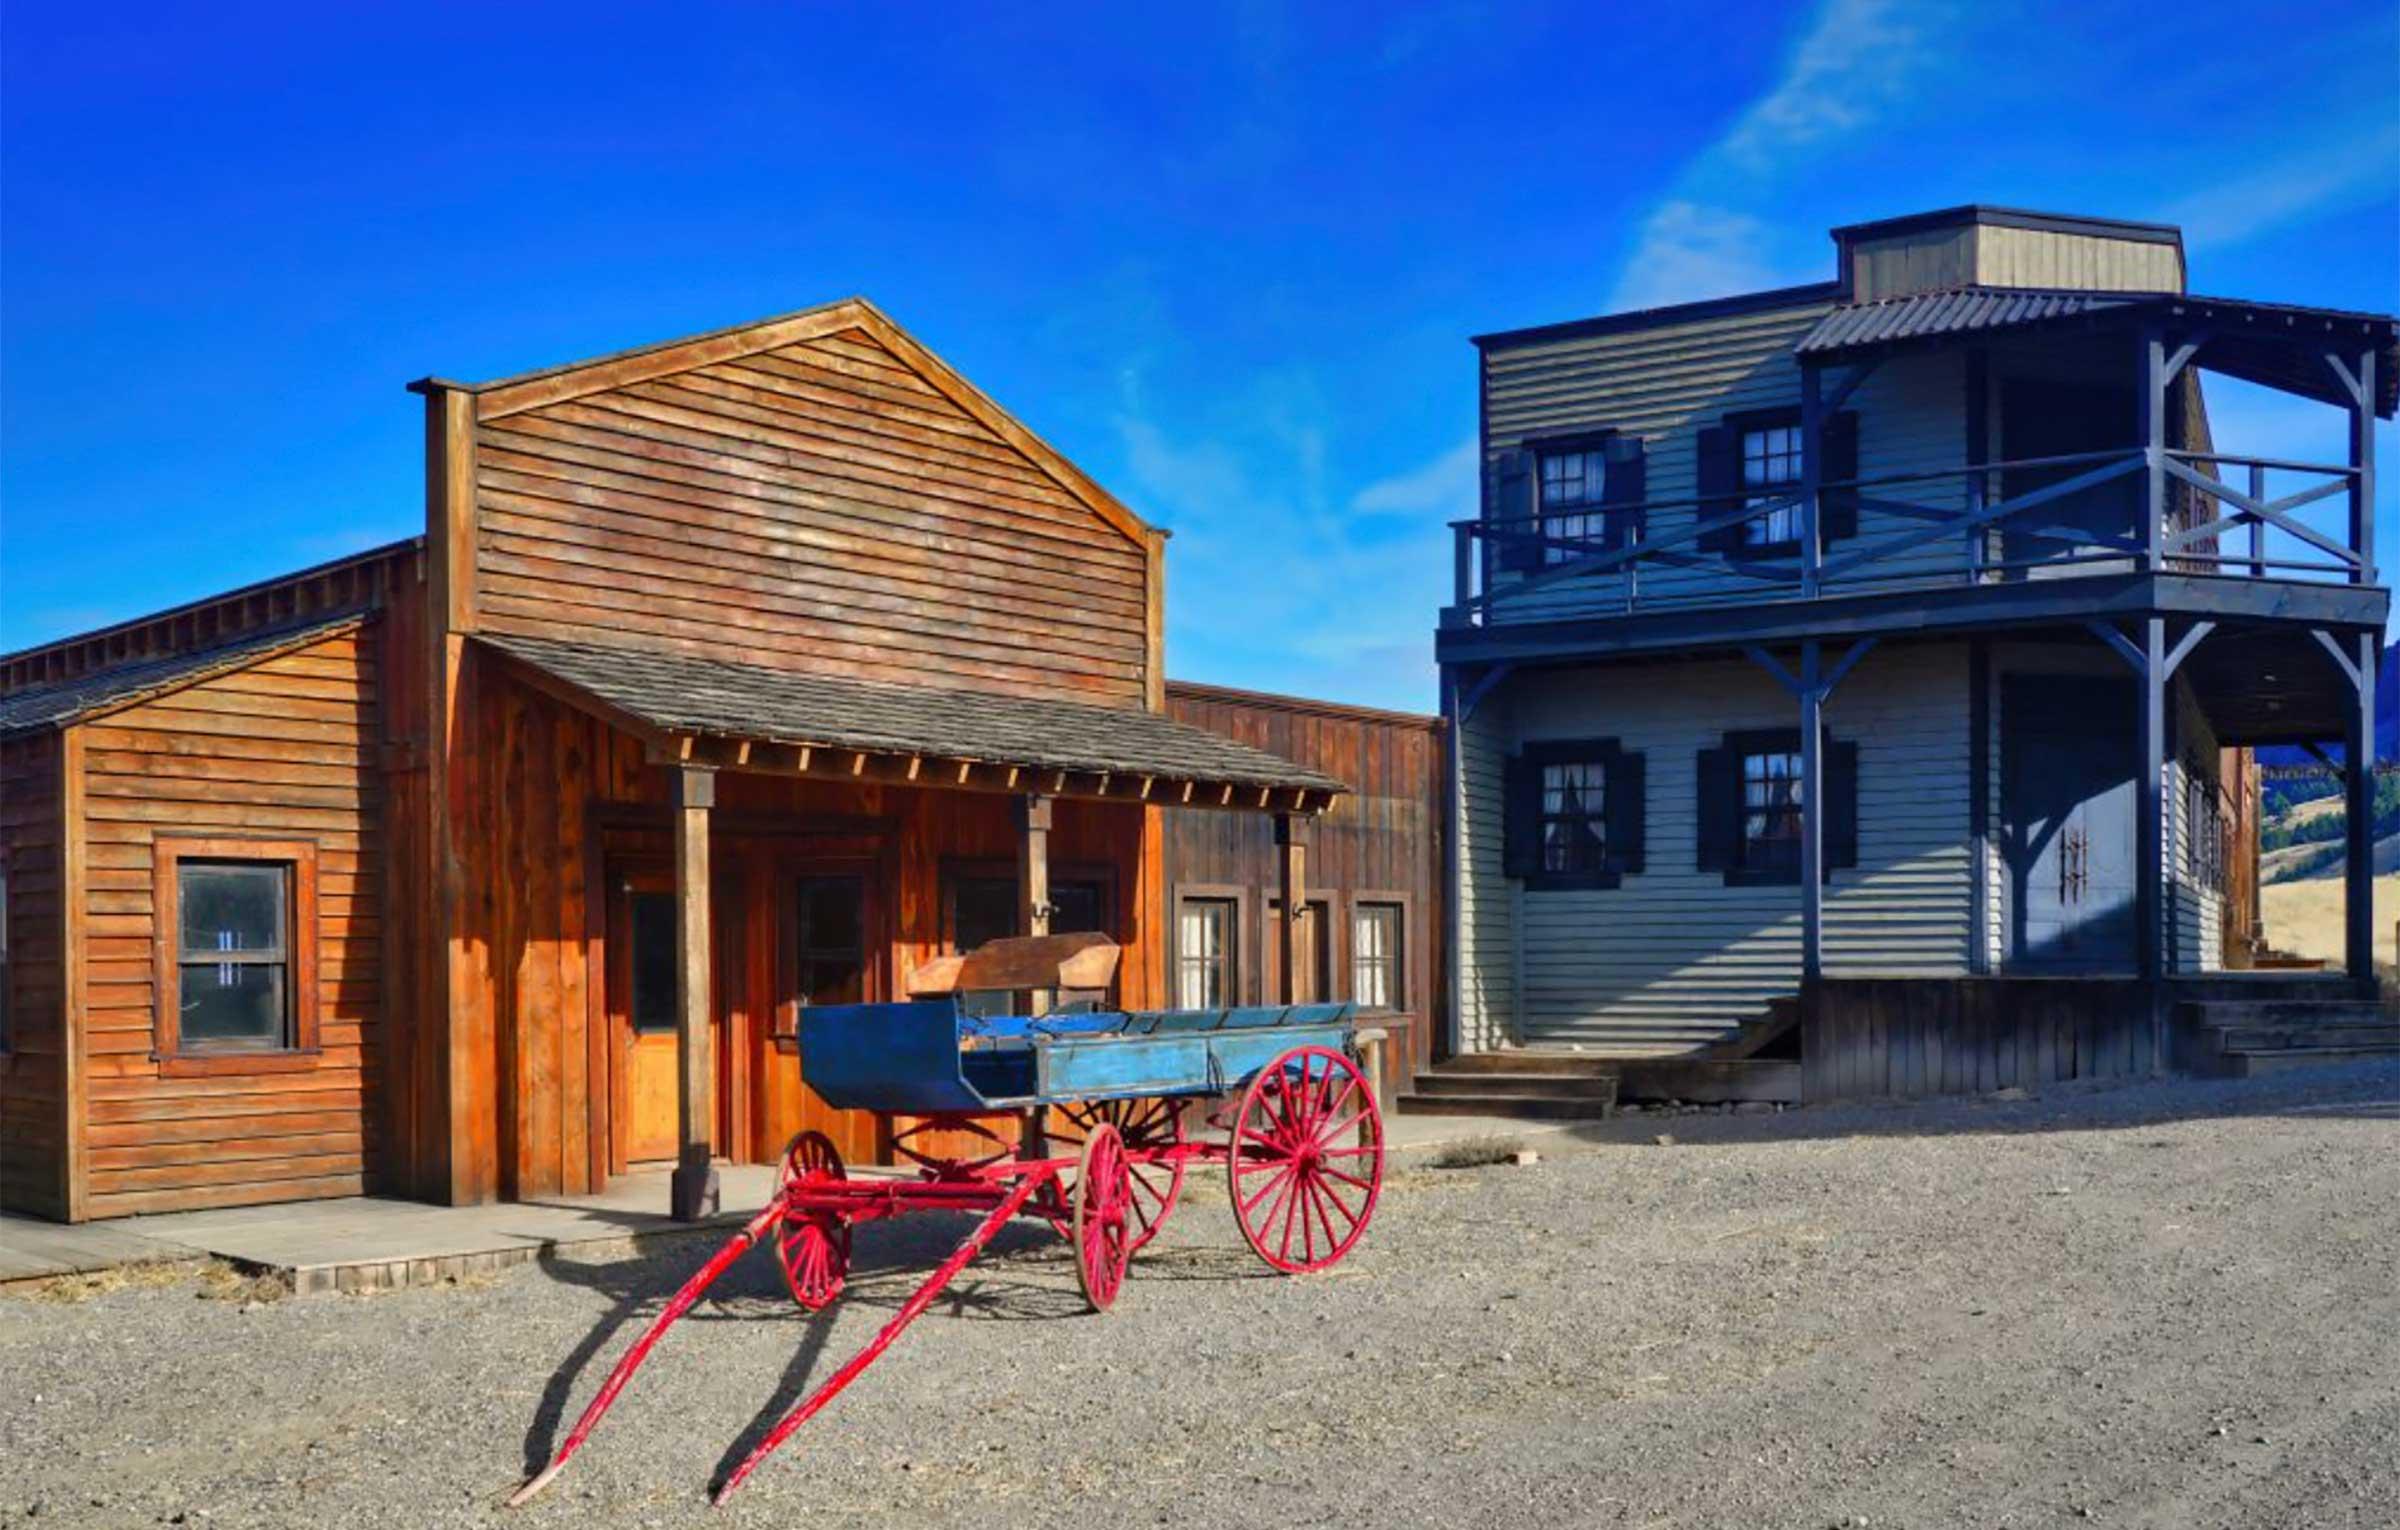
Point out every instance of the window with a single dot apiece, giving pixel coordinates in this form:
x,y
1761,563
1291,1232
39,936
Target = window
x,y
1314,965
1572,481
1771,789
1751,801
236,970
1204,935
829,953
1375,969
1771,467
981,907
1574,816
2204,830
1574,813
652,959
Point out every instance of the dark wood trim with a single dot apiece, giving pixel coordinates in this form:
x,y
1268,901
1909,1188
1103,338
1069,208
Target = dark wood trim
x,y
1807,295
167,854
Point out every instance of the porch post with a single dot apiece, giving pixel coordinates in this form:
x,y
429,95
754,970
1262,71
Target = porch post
x,y
1812,811
2358,781
1033,876
692,1194
2362,470
1812,473
2153,394
1291,843
2150,801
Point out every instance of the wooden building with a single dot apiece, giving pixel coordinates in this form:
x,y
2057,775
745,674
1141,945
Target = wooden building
x,y
1885,642
731,675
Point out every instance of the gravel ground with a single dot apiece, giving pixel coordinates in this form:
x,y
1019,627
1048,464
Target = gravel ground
x,y
2166,1305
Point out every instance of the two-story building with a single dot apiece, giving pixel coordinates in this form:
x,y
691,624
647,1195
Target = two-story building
x,y
1846,674
731,675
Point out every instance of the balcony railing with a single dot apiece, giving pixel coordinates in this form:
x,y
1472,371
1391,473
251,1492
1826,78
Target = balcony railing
x,y
2116,511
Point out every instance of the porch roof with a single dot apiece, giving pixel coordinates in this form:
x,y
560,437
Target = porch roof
x,y
2255,341
750,716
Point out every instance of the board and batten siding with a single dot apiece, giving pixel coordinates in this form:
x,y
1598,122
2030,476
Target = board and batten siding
x,y
1998,255
818,506
1674,958
282,749
1670,382
37,1065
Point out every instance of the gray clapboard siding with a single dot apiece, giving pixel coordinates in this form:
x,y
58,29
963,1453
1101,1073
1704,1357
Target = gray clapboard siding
x,y
1674,957
1486,898
1670,383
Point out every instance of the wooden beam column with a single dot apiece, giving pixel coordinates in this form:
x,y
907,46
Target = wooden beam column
x,y
1812,475
1291,844
2149,837
2362,469
2358,783
1812,811
693,1194
1033,879
2153,395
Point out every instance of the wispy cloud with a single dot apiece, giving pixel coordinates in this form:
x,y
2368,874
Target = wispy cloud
x,y
1446,488
2353,162
1858,64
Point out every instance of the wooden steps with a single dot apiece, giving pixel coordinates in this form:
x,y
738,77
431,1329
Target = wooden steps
x,y
2243,1038
1517,1085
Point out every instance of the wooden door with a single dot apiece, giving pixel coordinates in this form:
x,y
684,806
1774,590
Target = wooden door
x,y
2068,802
1316,976
642,1026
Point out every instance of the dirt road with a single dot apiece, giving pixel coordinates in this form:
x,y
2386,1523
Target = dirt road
x,y
2166,1305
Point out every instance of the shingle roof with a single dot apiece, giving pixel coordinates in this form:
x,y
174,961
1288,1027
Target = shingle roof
x,y
1955,311
69,701
677,693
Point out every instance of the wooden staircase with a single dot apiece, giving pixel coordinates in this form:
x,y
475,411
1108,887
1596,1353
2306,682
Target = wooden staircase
x,y
1760,1060
2243,1038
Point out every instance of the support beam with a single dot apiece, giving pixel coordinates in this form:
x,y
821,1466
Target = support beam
x,y
692,1194
1812,478
2149,839
1033,875
2153,394
2358,788
1812,811
2362,472
1291,844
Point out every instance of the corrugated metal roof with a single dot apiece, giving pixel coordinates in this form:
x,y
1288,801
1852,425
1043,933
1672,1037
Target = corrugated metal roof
x,y
679,693
1954,311
69,701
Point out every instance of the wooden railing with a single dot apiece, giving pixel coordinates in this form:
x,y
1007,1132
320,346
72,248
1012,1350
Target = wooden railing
x,y
2196,521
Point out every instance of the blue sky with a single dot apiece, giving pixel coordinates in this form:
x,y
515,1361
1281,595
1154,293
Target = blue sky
x,y
1226,259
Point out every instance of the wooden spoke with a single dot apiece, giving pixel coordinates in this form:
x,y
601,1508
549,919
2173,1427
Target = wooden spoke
x,y
1289,1119
812,1241
1151,1129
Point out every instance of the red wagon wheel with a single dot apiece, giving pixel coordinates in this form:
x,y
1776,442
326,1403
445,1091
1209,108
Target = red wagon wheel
x,y
813,1246
1150,1128
1103,1216
1305,1159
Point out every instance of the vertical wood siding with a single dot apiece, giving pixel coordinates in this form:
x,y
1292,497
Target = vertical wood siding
x,y
820,507
1380,841
34,1070
284,748
1674,958
1993,255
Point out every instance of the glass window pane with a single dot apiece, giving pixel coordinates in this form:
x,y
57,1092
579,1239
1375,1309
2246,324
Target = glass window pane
x,y
230,907
829,914
1075,908
831,980
232,1004
984,910
653,961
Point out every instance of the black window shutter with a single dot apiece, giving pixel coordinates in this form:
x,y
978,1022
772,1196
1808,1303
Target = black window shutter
x,y
1513,507
1841,804
1628,806
1521,848
1719,785
1718,473
1837,462
1626,486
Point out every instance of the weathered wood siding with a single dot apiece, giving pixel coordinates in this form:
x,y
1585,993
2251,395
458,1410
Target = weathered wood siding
x,y
1667,384
1379,844
36,1070
1674,957
1488,978
285,748
820,506
1995,255
1873,1038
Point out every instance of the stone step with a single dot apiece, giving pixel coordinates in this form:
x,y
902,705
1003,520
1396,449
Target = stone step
x,y
1579,1086
1513,1107
2284,1038
2252,1064
1518,1060
1710,1081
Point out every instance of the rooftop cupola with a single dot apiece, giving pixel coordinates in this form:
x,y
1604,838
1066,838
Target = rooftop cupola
x,y
1978,246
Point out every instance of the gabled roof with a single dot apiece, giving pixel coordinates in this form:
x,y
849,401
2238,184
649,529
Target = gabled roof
x,y
670,696
505,396
91,695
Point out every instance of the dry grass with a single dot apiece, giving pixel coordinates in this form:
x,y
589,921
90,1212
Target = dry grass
x,y
2305,917
1475,1153
214,1279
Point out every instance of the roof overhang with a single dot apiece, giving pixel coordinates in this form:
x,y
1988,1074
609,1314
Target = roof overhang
x,y
2277,345
103,691
726,715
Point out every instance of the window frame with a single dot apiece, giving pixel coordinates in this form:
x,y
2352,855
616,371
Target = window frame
x,y
304,1048
1796,810
1237,901
1599,516
1403,986
783,1028
1618,859
1741,426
